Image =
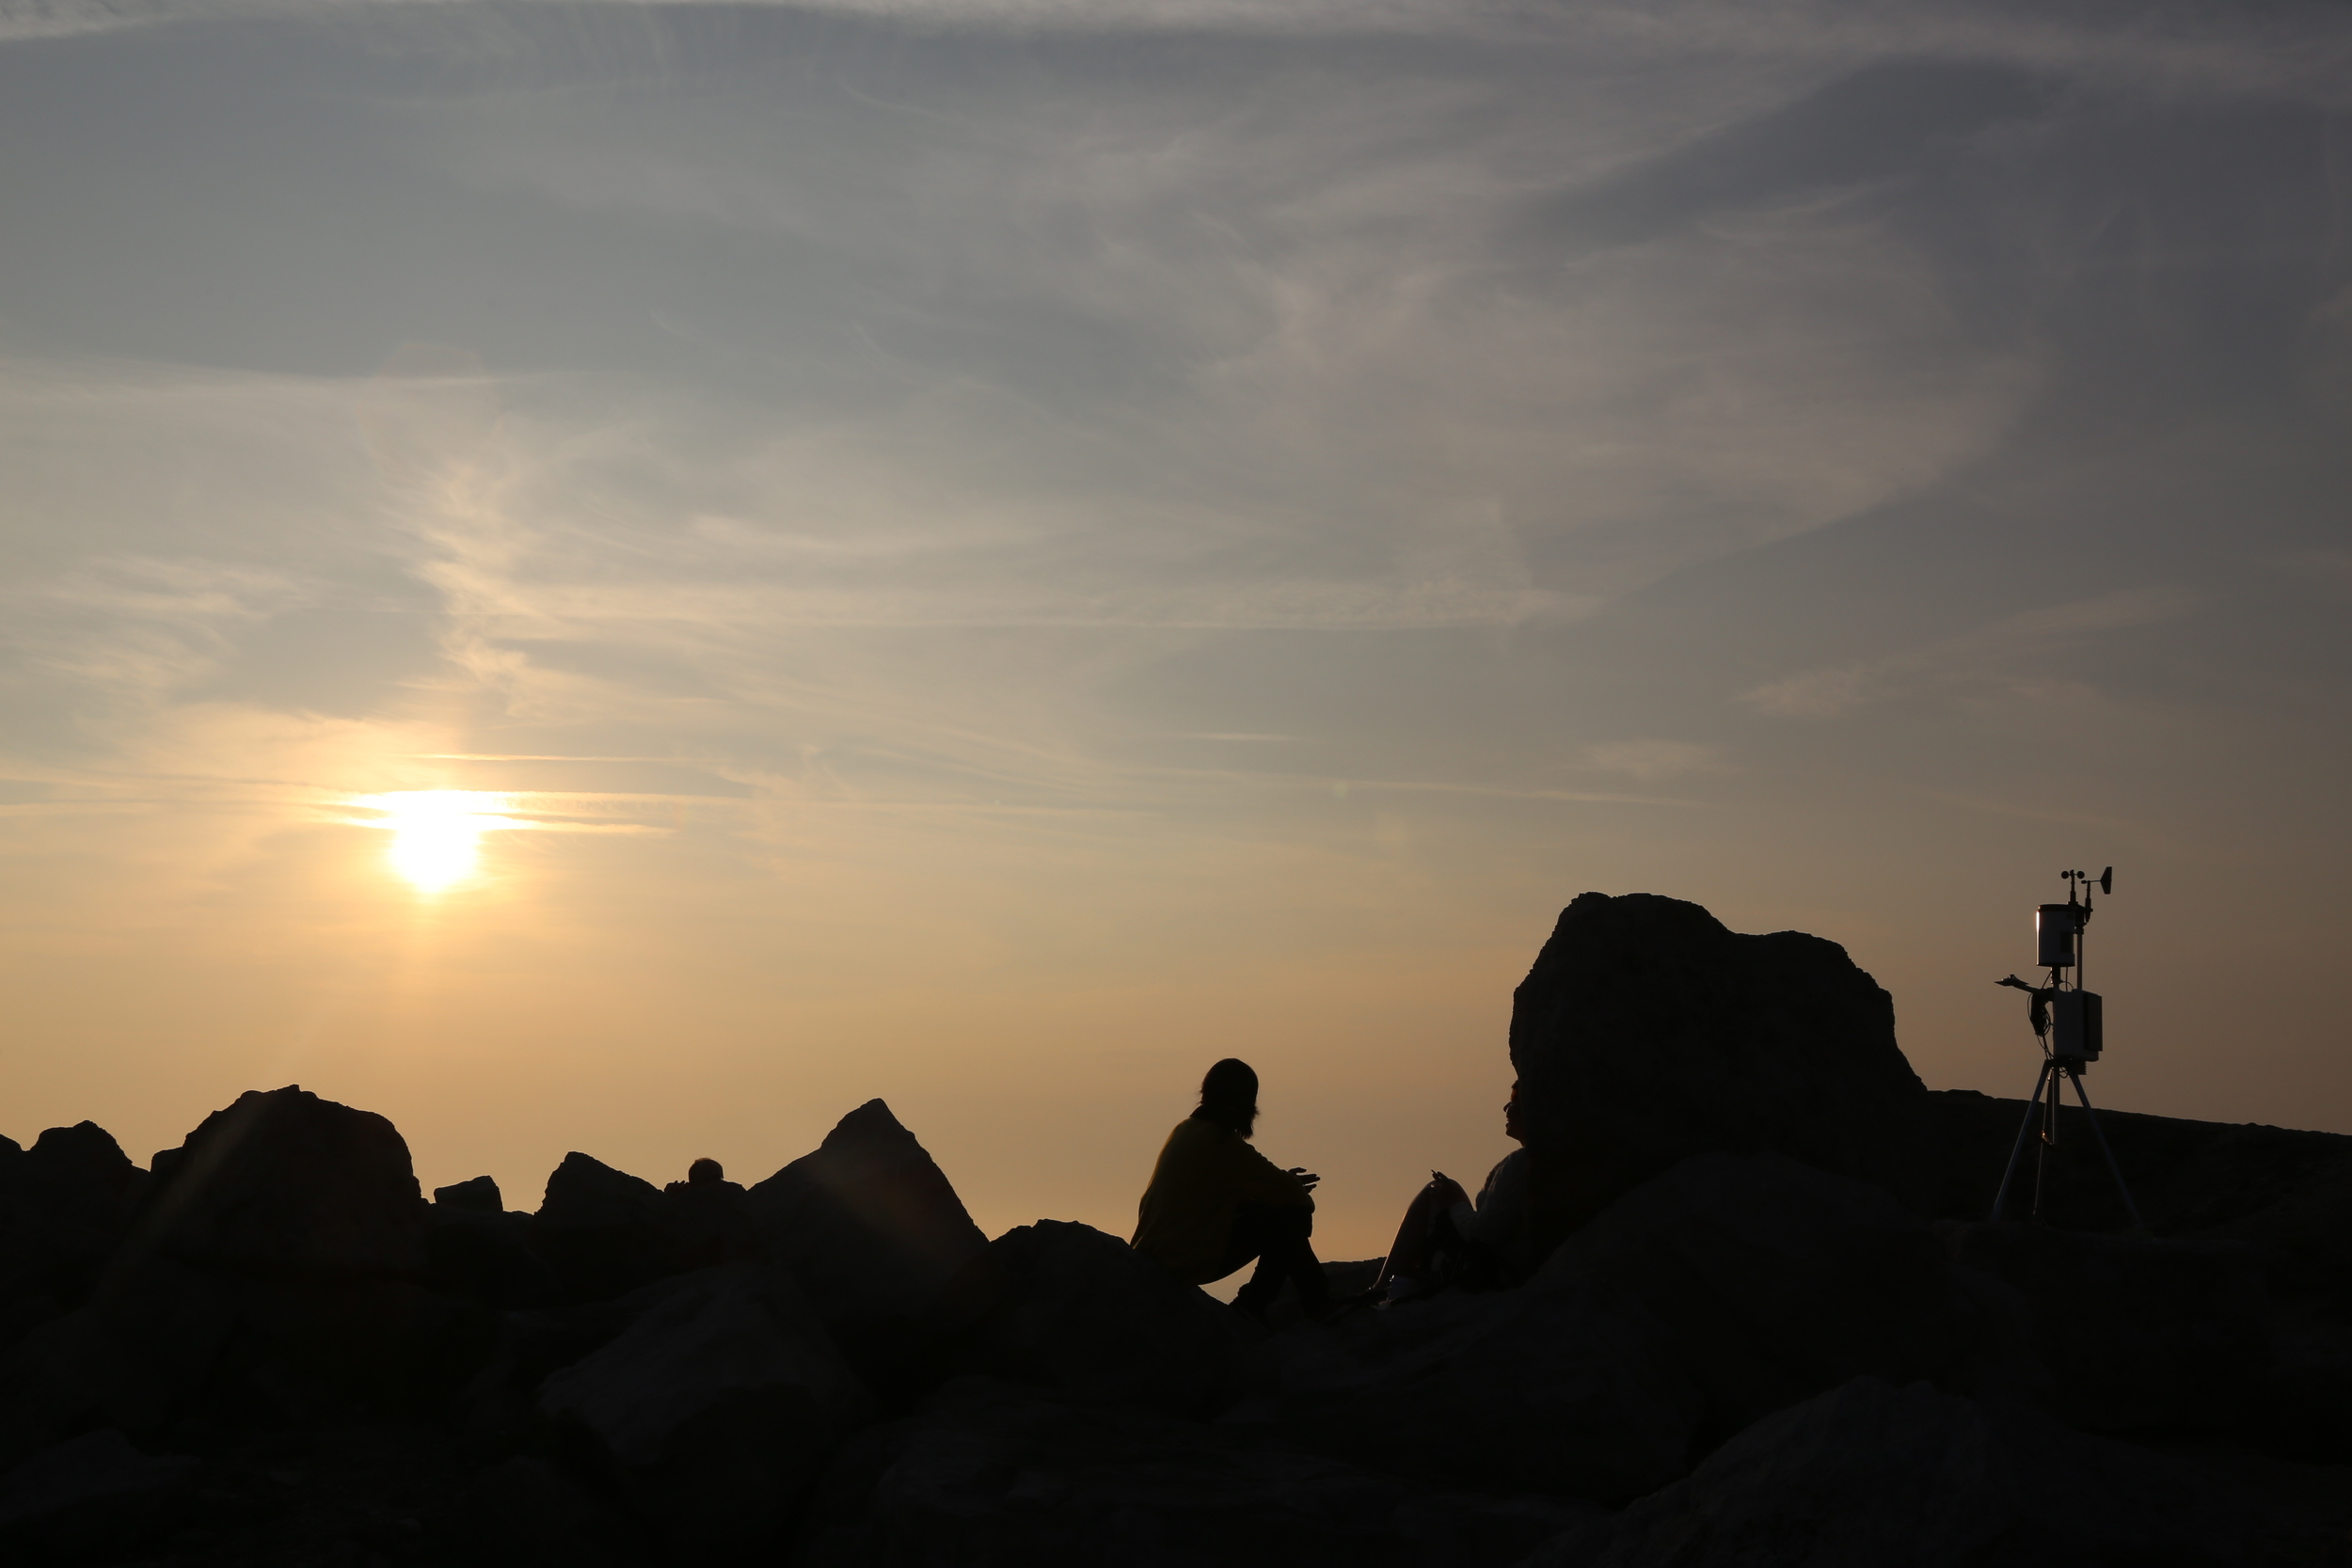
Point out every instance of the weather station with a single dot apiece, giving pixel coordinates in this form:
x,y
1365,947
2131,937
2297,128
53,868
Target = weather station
x,y
2068,1025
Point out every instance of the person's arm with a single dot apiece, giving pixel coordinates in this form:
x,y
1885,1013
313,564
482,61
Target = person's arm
x,y
1259,1180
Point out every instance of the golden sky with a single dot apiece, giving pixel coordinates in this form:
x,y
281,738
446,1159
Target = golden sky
x,y
631,577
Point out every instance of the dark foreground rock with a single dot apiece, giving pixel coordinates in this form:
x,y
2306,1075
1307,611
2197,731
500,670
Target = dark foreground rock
x,y
90,1495
1725,1290
287,1185
2136,1335
1873,1474
992,1475
65,1205
872,1229
1646,1033
600,1228
711,1411
1067,1307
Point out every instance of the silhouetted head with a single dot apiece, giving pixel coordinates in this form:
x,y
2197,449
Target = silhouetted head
x,y
1229,1096
703,1172
1511,1128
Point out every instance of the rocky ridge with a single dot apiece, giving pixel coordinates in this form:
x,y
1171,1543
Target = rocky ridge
x,y
1772,1329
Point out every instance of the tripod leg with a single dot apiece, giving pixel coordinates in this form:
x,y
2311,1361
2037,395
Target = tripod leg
x,y
2113,1169
2049,1142
2033,1109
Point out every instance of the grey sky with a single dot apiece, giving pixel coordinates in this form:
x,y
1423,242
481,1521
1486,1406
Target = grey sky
x,y
1152,503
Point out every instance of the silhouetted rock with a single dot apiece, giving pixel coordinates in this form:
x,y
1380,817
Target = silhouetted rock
x,y
600,1229
2139,1335
1726,1289
286,1185
80,1176
64,1204
486,1256
989,1475
90,1496
1067,1307
1777,1281
1872,1474
526,1512
1568,1390
713,1409
71,1374
2288,1193
480,1193
871,1228
1646,1033
272,1271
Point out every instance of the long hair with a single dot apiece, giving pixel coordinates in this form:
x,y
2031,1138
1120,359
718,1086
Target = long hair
x,y
1229,1096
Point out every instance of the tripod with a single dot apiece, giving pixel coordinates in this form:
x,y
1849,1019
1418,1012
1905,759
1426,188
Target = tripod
x,y
2044,1104
2076,1046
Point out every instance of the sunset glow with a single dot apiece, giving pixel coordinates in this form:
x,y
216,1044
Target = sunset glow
x,y
436,833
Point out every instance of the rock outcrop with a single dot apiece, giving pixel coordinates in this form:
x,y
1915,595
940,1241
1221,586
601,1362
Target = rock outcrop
x,y
713,1410
1067,1307
600,1229
1870,1473
89,1496
285,1185
870,1228
1646,1033
991,1475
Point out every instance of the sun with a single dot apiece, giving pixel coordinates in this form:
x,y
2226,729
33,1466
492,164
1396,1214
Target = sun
x,y
436,833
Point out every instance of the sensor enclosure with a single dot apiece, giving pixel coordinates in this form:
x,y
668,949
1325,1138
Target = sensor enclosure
x,y
2075,1025
2058,926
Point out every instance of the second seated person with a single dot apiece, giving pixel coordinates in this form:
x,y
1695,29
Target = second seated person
x,y
1215,1203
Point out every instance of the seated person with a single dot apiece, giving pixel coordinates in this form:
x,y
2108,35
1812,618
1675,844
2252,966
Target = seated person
x,y
1446,1240
1214,1203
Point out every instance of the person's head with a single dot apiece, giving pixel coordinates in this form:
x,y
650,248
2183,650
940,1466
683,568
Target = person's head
x,y
703,1172
1511,1128
1229,1096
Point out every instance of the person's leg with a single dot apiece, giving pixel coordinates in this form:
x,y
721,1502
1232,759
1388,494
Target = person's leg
x,y
1409,1254
1279,1234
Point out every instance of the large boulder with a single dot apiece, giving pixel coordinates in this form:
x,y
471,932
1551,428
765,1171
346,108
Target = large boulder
x,y
601,1229
1725,1290
1646,1033
73,1375
1776,1281
64,1204
92,1495
713,1410
1914,1477
2288,1193
275,1269
2138,1335
989,1475
282,1184
527,1512
1066,1307
486,1256
1569,1391
871,1228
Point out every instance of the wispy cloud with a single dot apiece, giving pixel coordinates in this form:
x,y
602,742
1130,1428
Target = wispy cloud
x,y
1652,759
2012,655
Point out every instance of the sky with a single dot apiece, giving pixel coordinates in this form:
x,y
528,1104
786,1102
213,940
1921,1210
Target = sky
x,y
629,577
